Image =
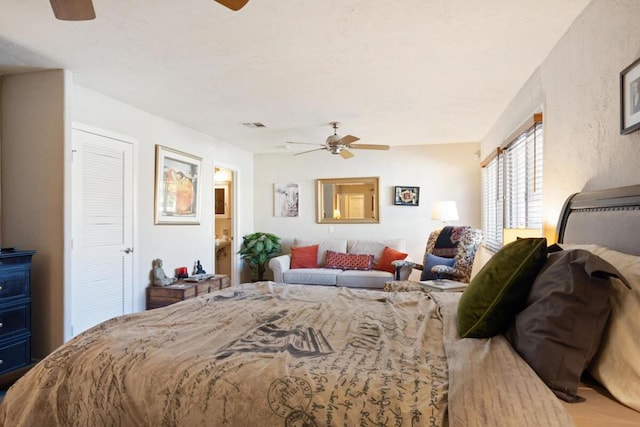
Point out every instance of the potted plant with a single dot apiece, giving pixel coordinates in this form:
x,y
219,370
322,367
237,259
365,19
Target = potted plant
x,y
258,248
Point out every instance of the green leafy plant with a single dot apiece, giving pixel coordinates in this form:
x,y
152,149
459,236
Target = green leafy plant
x,y
257,249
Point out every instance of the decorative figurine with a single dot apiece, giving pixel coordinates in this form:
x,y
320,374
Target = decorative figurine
x,y
182,273
198,268
159,278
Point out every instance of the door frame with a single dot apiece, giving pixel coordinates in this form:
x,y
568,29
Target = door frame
x,y
235,244
137,297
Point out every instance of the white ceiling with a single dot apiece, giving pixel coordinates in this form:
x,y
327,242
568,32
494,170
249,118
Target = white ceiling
x,y
392,72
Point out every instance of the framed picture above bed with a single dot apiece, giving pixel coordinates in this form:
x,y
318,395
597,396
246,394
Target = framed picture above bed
x,y
630,98
406,196
177,189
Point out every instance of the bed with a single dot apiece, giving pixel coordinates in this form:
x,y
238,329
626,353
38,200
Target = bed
x,y
291,355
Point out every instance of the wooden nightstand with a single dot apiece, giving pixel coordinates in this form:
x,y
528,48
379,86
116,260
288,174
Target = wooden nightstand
x,y
160,296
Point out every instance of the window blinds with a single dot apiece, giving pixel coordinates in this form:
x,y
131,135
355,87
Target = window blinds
x,y
512,184
523,181
492,184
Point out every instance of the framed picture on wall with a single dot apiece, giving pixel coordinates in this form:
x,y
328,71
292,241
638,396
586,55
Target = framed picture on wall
x,y
630,98
222,206
286,199
406,196
177,187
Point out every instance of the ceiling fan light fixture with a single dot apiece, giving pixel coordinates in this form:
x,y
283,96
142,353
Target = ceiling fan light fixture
x,y
333,139
336,144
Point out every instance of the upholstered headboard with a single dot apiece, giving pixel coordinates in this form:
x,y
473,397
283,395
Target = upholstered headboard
x,y
608,218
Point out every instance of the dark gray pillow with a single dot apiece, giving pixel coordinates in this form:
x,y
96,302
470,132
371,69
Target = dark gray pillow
x,y
559,330
431,261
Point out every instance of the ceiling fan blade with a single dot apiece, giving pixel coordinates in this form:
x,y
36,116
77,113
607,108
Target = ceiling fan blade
x,y
346,154
370,146
233,4
304,143
348,139
310,151
73,10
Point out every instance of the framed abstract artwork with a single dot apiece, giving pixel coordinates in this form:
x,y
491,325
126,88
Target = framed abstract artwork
x,y
177,187
630,98
406,196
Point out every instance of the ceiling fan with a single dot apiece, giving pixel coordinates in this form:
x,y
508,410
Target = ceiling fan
x,y
336,144
82,10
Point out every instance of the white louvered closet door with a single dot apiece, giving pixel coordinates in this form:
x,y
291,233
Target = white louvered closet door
x,y
102,229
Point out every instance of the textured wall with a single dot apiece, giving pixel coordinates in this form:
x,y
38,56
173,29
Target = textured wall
x,y
577,87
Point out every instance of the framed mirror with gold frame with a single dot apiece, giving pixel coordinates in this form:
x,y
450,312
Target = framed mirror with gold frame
x,y
347,200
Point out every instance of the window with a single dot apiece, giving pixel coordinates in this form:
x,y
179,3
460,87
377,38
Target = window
x,y
512,184
492,196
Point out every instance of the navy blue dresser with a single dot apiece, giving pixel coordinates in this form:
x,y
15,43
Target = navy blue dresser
x,y
15,310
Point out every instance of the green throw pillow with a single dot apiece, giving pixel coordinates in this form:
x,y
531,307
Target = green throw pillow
x,y
500,289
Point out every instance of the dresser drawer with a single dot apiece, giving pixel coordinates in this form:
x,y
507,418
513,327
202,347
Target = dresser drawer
x,y
14,320
15,354
14,284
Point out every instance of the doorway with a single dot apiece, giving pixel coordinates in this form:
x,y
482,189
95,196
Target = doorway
x,y
102,209
224,221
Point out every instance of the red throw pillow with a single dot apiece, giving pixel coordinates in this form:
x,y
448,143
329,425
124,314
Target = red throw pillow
x,y
304,256
342,261
389,255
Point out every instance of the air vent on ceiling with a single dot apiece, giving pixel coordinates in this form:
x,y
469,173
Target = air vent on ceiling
x,y
254,125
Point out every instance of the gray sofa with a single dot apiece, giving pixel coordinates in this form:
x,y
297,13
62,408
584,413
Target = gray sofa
x,y
374,279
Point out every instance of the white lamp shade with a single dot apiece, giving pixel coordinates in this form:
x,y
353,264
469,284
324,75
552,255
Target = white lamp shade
x,y
445,211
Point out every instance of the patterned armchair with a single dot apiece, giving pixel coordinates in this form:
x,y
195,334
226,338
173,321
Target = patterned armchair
x,y
449,255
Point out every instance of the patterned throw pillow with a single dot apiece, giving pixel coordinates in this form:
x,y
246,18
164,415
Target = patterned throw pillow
x,y
342,261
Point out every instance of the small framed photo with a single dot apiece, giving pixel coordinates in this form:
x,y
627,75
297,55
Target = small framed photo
x,y
406,196
630,98
177,187
286,199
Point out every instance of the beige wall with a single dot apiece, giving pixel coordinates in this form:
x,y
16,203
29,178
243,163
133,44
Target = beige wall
x,y
33,141
443,172
577,87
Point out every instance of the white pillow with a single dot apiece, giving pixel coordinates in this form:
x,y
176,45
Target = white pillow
x,y
616,364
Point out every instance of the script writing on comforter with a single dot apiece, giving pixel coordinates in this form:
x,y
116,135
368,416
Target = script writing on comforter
x,y
260,354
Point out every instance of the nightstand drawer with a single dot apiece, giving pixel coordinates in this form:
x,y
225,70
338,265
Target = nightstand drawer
x,y
15,354
160,296
14,320
206,287
225,281
14,284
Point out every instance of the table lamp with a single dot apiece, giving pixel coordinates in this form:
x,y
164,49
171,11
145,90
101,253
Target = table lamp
x,y
444,211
